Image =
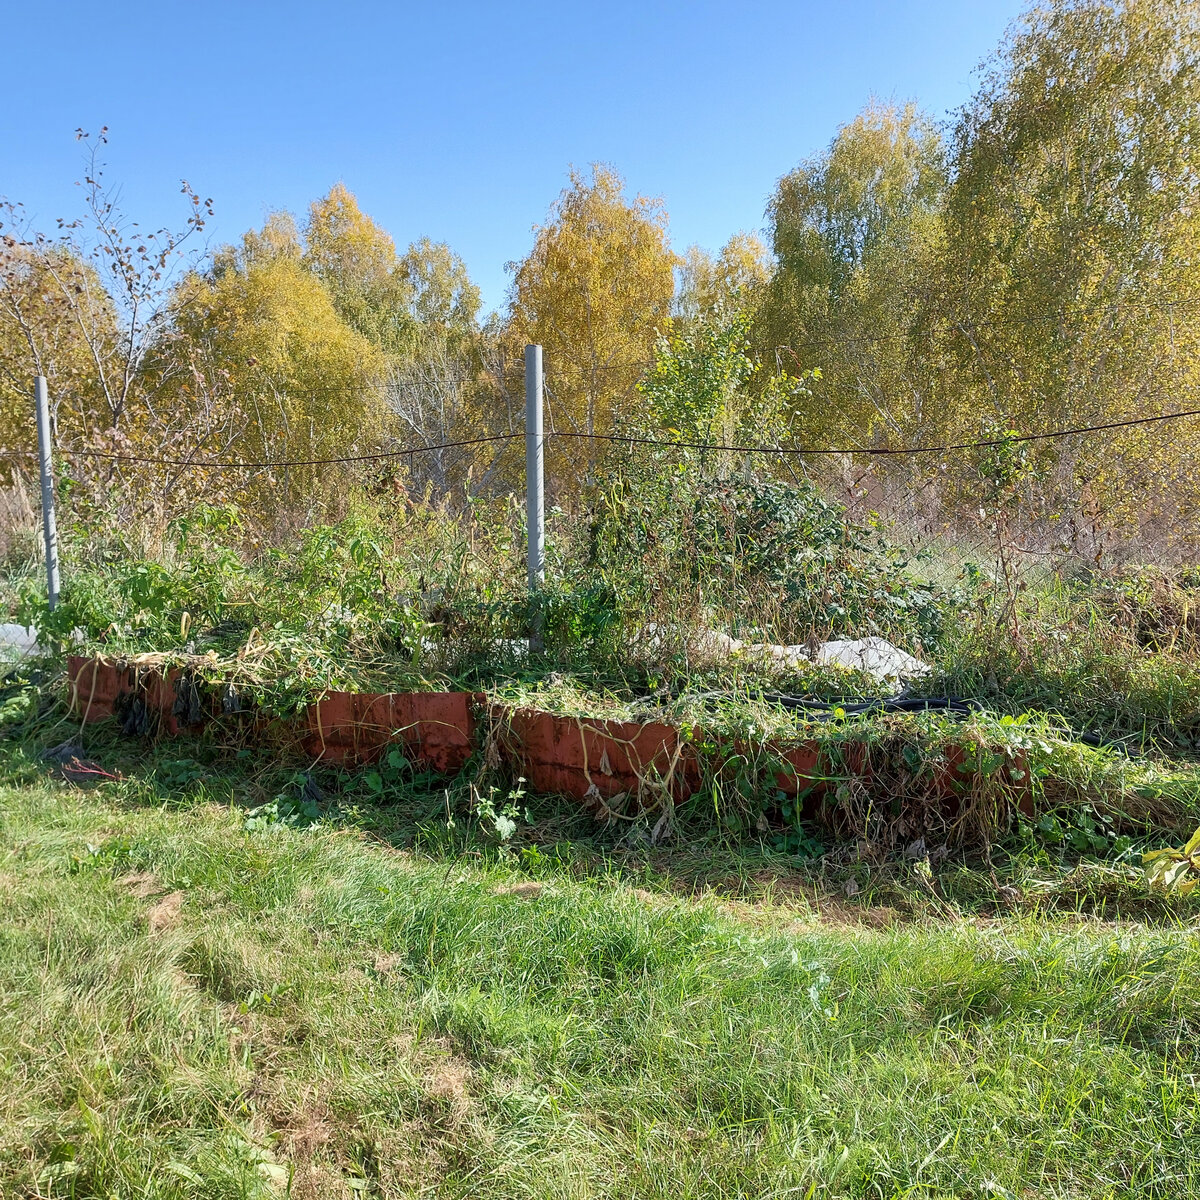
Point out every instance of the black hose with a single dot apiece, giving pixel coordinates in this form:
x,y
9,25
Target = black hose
x,y
956,706
823,710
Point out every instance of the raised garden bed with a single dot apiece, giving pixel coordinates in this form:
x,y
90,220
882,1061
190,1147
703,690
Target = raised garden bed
x,y
610,765
596,760
436,729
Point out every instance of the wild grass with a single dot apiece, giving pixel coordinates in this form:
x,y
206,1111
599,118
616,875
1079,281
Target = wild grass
x,y
385,1004
1115,656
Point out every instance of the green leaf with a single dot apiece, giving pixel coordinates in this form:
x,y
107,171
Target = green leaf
x,y
59,1170
183,1171
1175,874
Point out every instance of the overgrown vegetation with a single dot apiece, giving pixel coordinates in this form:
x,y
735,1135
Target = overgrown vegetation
x,y
430,595
940,946
643,593
214,990
1114,653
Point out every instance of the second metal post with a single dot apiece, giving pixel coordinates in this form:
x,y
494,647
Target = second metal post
x,y
535,514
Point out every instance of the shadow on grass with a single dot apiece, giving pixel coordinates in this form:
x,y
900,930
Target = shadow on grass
x,y
755,878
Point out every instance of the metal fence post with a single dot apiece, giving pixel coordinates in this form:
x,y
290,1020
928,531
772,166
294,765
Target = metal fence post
x,y
535,498
49,529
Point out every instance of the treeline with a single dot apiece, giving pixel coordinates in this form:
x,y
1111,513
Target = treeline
x,y
1032,264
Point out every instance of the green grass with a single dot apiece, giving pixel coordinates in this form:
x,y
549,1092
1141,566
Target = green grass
x,y
226,976
1110,659
383,1006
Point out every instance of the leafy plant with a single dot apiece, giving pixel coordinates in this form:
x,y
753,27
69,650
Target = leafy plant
x,y
1085,830
1175,870
798,837
706,386
499,815
296,808
780,551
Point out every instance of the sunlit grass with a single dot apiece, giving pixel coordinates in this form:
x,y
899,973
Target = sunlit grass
x,y
194,1010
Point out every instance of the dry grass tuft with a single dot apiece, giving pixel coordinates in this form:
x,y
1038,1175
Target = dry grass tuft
x,y
165,914
449,1082
142,884
522,891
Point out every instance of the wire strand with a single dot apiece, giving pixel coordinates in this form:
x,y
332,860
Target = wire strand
x,y
227,464
879,452
876,451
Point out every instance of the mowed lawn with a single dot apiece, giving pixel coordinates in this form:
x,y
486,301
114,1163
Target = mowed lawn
x,y
192,1009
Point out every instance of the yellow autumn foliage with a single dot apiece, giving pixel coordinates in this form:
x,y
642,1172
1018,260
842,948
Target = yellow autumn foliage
x,y
593,291
296,382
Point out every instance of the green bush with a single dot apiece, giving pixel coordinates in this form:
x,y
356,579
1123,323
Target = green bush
x,y
767,553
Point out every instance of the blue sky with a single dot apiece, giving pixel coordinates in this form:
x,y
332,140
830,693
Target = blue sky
x,y
459,120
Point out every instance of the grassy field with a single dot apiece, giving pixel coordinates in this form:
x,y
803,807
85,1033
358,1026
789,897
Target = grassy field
x,y
227,973
198,1003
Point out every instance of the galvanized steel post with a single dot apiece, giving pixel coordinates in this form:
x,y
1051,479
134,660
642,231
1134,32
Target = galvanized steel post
x,y
49,529
535,501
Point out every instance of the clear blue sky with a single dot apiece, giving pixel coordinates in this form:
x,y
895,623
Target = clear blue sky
x,y
459,120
